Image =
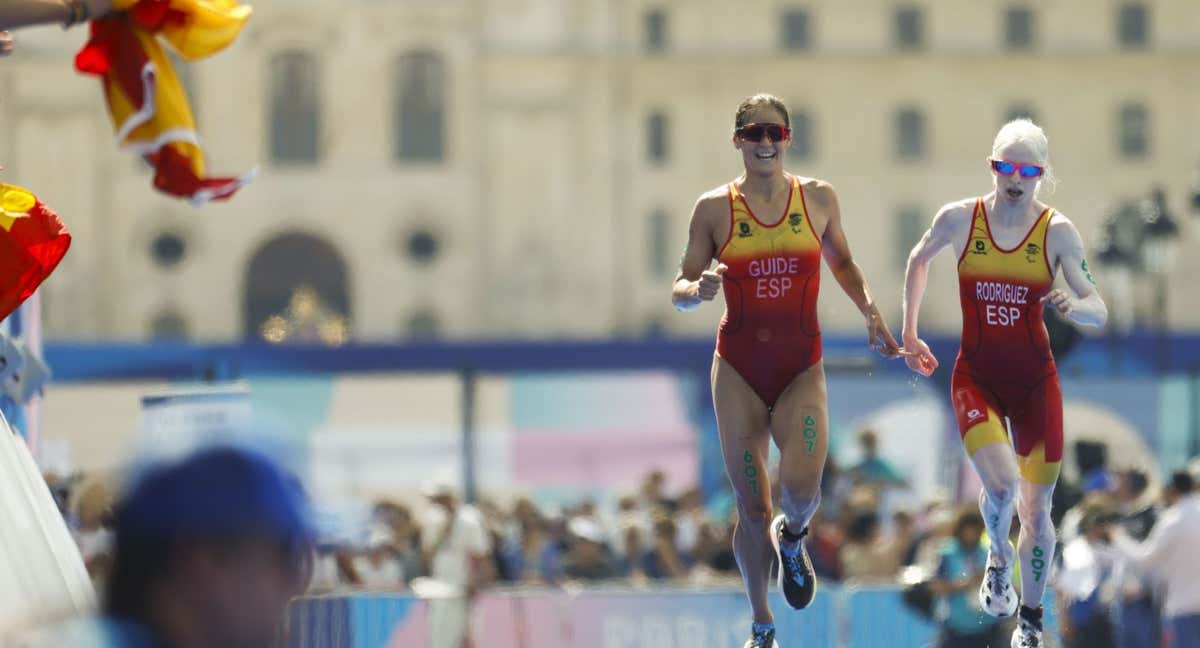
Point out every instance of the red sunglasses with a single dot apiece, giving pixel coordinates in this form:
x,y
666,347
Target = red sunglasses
x,y
1006,168
755,132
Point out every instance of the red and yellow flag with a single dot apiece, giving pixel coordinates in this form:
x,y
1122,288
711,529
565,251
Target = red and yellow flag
x,y
32,242
148,105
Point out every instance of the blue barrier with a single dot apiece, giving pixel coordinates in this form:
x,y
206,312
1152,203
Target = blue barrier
x,y
609,617
1137,354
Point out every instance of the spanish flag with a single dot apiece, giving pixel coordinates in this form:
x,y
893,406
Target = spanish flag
x,y
149,108
32,242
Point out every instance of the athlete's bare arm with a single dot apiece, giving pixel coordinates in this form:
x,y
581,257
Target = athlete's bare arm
x,y
695,283
1065,246
948,228
836,250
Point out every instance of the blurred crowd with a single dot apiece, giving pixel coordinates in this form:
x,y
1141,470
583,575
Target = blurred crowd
x,y
1115,580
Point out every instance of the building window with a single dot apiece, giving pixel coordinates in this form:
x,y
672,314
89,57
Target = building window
x,y
1020,111
295,109
910,134
420,111
1018,28
658,138
1134,131
655,30
169,326
168,249
803,147
422,246
1133,25
911,223
423,324
910,28
795,25
660,255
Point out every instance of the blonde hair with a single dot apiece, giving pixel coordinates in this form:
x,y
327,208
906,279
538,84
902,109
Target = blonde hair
x,y
1024,130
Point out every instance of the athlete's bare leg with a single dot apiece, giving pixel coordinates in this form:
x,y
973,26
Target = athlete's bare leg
x,y
995,462
1036,542
742,421
800,427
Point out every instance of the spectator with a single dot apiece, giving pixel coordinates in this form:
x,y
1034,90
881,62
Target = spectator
x,y
866,556
378,566
1085,582
714,549
904,538
1098,488
456,548
689,516
589,558
652,498
835,488
554,549
94,535
1135,612
327,573
873,470
825,539
663,561
939,520
457,551
1169,554
961,561
629,564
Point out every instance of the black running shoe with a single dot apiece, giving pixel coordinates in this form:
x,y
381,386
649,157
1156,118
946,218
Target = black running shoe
x,y
796,578
761,638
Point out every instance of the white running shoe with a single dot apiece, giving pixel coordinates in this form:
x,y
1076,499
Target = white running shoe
x,y
996,594
1027,635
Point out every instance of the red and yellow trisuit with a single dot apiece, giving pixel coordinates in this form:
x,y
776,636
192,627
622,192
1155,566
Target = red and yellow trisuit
x,y
1004,366
769,332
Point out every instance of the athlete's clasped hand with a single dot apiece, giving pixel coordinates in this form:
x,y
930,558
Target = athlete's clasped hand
x,y
919,357
878,335
710,282
6,43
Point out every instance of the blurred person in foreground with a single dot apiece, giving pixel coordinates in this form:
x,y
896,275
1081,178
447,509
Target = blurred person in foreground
x,y
1171,555
208,551
767,231
960,563
1010,246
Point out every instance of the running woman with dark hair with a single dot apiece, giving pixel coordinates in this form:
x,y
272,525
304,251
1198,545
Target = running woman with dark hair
x,y
768,230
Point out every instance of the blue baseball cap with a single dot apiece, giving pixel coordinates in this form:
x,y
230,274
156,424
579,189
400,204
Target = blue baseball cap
x,y
215,491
